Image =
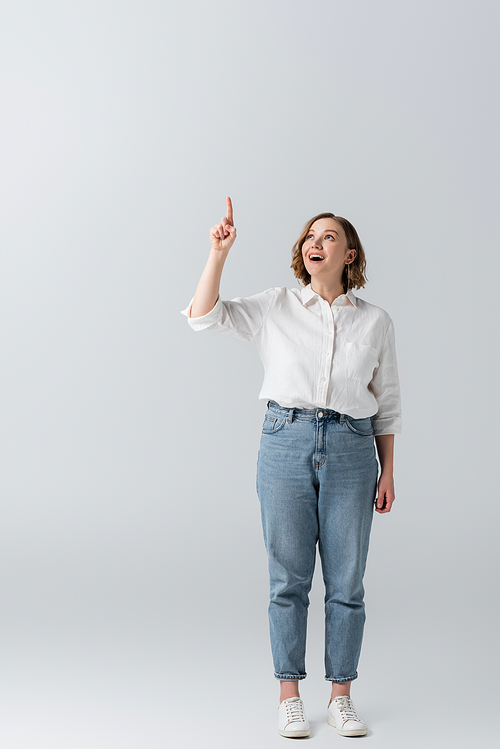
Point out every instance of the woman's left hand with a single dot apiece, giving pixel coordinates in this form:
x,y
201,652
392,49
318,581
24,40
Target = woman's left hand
x,y
386,495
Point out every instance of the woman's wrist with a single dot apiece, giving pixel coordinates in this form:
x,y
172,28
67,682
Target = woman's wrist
x,y
218,255
387,472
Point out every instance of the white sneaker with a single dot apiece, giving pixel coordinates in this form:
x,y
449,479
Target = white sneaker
x,y
343,717
291,719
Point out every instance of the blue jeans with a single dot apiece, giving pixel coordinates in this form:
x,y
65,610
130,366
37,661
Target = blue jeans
x,y
316,482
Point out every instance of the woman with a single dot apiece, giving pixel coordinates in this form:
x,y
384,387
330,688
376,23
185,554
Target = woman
x,y
332,390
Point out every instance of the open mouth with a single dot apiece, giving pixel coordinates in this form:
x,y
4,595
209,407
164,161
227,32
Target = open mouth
x,y
315,258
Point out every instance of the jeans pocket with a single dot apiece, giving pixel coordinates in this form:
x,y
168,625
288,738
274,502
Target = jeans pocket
x,y
363,427
273,424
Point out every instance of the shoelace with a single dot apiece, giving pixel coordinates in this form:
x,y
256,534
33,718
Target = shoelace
x,y
295,711
346,708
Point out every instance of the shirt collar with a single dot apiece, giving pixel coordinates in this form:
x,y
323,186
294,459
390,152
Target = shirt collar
x,y
307,294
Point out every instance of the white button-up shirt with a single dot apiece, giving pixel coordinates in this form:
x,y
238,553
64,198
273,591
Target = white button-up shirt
x,y
316,355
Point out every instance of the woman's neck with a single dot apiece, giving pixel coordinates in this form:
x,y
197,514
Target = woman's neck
x,y
327,292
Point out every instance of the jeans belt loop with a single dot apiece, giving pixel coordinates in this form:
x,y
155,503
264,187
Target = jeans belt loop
x,y
290,416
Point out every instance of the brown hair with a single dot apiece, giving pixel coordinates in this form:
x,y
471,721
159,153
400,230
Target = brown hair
x,y
356,278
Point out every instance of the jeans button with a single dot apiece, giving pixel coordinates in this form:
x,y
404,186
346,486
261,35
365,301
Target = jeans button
x,y
320,414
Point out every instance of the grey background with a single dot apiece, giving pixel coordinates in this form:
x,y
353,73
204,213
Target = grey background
x,y
133,572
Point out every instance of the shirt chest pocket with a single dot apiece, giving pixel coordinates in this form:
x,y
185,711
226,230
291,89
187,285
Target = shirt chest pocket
x,y
361,362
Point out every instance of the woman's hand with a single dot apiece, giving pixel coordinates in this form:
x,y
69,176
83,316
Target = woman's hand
x,y
222,235
386,494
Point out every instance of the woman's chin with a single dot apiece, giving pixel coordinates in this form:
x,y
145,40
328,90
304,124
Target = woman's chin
x,y
314,270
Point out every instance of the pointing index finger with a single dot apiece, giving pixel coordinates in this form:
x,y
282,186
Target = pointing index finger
x,y
229,211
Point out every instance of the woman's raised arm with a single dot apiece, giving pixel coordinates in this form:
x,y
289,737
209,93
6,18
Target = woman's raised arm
x,y
222,237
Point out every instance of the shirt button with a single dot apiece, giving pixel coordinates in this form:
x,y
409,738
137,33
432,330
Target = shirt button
x,y
323,379
329,332
320,414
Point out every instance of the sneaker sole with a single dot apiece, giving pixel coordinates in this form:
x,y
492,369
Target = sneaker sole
x,y
354,732
294,734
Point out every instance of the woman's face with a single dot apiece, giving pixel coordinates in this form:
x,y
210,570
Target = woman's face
x,y
326,239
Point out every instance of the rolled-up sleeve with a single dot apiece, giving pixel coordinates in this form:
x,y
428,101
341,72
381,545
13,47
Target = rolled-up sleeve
x,y
386,389
242,317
